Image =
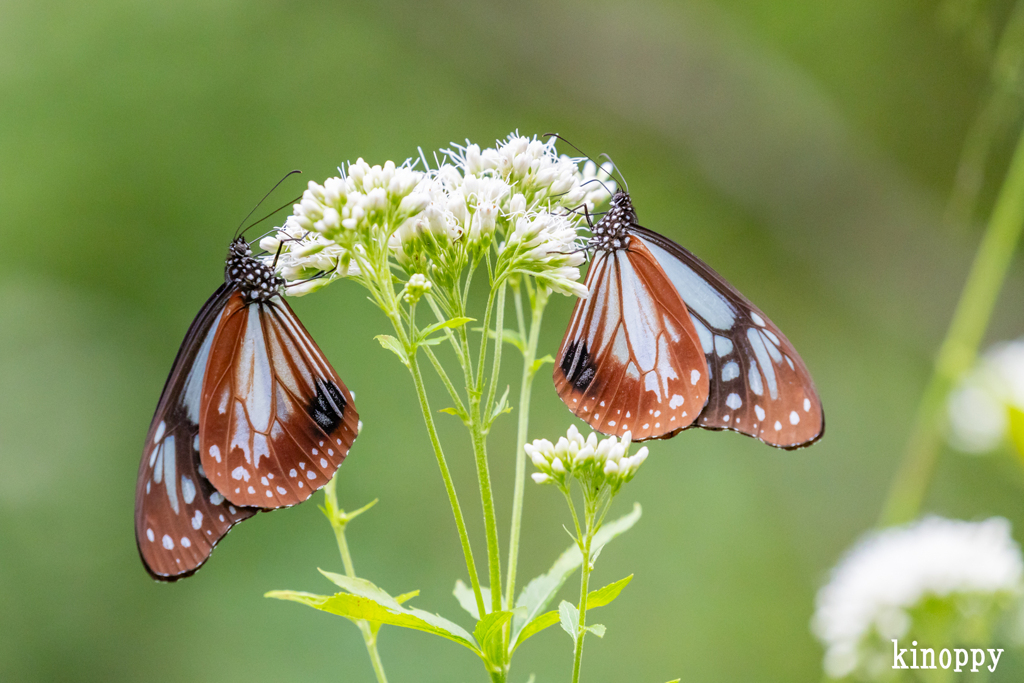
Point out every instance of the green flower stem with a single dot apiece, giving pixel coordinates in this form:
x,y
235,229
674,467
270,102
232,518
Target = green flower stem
x,y
584,588
537,305
960,348
474,391
339,520
449,485
499,343
384,294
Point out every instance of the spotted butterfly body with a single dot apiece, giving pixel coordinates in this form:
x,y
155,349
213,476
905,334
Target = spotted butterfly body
x,y
252,417
663,343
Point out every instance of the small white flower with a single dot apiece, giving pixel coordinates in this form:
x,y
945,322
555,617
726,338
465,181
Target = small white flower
x,y
599,462
889,572
978,408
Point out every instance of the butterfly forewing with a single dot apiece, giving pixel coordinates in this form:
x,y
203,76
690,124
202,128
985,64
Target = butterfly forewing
x,y
631,359
179,516
277,419
759,384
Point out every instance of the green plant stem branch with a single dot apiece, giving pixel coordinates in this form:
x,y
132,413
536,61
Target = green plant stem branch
x,y
584,588
537,305
449,485
499,343
477,430
339,521
960,347
384,293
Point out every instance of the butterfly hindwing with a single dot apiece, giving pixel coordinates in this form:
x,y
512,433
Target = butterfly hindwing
x,y
760,385
631,359
179,516
277,419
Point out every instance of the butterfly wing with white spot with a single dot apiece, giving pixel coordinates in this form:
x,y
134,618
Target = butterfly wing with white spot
x,y
179,516
631,359
277,420
759,384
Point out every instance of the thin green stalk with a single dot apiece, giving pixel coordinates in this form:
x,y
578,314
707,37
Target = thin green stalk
x,y
449,485
525,390
338,522
474,391
960,347
584,588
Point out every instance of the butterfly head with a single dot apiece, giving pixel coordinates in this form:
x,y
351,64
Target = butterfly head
x,y
612,232
254,279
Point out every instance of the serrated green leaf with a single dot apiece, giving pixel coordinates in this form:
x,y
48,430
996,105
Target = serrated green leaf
x,y
467,598
595,599
569,618
488,634
597,629
539,592
603,596
508,336
385,610
445,324
393,345
540,362
501,406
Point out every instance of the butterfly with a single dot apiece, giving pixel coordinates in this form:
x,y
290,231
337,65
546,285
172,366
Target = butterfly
x,y
252,417
663,343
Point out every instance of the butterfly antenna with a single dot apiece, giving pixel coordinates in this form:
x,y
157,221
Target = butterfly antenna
x,y
621,177
239,230
598,180
283,206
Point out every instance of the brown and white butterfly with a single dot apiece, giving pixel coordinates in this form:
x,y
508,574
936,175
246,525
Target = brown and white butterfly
x,y
252,417
664,343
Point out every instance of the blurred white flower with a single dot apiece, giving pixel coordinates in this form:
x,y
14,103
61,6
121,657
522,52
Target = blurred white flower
x,y
887,573
978,409
604,462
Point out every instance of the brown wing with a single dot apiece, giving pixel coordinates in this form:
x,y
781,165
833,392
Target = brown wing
x,y
179,516
759,384
277,421
631,359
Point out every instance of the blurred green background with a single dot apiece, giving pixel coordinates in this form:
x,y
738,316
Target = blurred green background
x,y
806,149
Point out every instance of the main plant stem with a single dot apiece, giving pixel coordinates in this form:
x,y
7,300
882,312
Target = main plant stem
x,y
477,429
537,304
338,523
960,347
584,588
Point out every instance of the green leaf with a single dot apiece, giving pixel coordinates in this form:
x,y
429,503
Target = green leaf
x,y
452,410
603,596
508,336
539,363
595,599
539,592
569,617
445,324
393,345
597,629
433,341
500,407
488,634
373,604
467,598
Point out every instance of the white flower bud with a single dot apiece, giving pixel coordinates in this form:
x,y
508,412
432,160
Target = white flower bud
x,y
540,477
557,466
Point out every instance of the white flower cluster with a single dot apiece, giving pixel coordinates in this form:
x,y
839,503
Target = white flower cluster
x,y
980,406
596,462
305,258
891,571
520,198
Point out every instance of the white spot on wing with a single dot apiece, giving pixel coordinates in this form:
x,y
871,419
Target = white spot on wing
x,y
160,428
185,543
757,319
216,498
794,418
730,371
723,346
240,473
694,376
149,534
759,411
676,401
188,490
168,542
253,378
215,453
733,401
807,404
197,520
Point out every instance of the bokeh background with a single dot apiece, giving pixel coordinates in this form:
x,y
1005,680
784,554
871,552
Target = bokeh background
x,y
805,149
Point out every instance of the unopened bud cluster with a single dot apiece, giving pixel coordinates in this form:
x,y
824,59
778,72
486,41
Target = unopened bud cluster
x,y
593,462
